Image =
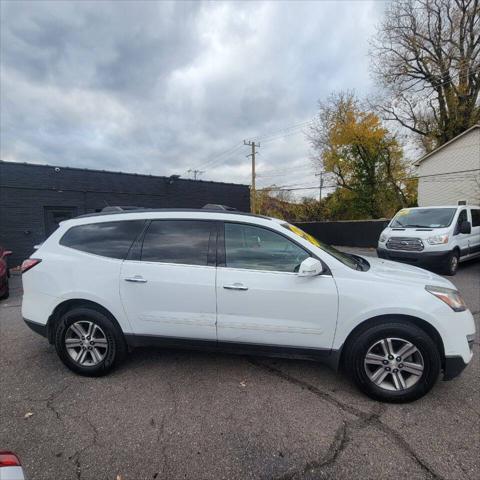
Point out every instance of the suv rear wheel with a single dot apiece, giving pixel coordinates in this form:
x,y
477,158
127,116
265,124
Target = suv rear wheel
x,y
393,362
88,342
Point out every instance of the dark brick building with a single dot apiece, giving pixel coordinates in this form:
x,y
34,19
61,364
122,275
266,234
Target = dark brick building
x,y
34,198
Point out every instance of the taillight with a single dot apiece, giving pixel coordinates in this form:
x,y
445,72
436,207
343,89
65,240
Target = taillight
x,y
29,263
9,459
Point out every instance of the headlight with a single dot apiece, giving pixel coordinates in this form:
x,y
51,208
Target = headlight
x,y
437,239
383,238
451,297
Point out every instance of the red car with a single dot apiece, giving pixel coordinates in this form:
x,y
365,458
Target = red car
x,y
4,274
10,466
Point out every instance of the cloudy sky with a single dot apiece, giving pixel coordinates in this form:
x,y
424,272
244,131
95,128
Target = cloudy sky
x,y
161,88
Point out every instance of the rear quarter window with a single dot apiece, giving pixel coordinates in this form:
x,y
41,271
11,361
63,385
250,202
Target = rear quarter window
x,y
108,239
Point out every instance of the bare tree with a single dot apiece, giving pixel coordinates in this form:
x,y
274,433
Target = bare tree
x,y
427,55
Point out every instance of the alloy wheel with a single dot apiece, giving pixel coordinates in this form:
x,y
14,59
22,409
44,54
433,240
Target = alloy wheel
x,y
453,263
394,364
86,343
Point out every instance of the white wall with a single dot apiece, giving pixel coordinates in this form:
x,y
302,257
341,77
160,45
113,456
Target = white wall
x,y
461,154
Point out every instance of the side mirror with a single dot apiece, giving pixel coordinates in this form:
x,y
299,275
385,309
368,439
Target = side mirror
x,y
6,253
465,227
310,267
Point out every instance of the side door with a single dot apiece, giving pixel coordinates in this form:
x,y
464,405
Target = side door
x,y
462,239
474,241
261,299
167,285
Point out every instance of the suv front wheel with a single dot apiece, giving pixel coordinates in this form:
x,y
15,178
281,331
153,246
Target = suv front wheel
x,y
88,342
393,362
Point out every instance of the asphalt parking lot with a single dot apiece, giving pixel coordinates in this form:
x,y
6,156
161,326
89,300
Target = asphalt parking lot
x,y
176,415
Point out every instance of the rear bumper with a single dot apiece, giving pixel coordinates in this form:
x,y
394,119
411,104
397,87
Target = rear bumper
x,y
454,366
431,259
37,327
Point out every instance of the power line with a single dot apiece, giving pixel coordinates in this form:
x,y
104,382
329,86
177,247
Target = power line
x,y
445,173
284,130
443,82
214,160
287,172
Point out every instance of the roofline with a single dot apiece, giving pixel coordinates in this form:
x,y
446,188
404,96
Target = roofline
x,y
442,206
118,172
421,159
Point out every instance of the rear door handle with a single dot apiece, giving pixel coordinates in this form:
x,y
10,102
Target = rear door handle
x,y
236,286
135,279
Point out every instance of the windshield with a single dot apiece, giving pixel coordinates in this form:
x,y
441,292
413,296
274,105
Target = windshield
x,y
424,217
352,261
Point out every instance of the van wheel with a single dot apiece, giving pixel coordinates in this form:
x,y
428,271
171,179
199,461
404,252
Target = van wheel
x,y
88,342
393,362
451,264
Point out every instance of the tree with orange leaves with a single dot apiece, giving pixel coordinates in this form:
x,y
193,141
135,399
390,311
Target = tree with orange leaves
x,y
361,157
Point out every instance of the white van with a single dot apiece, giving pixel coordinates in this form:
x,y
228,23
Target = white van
x,y
437,237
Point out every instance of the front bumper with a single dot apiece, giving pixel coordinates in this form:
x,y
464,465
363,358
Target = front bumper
x,y
430,259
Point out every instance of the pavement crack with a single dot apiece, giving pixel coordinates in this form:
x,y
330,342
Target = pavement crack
x,y
76,456
362,418
313,467
405,446
311,388
50,401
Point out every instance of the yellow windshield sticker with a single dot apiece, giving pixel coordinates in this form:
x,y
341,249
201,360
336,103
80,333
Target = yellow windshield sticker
x,y
304,235
403,212
296,230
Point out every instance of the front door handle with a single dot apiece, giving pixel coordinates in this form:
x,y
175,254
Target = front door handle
x,y
236,286
135,279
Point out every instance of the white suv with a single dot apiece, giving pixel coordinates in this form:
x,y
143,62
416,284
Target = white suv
x,y
241,283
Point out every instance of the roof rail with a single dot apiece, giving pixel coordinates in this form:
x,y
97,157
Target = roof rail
x,y
216,206
112,210
117,208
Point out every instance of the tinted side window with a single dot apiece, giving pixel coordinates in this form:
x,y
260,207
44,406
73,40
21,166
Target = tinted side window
x,y
462,217
177,241
257,248
475,217
109,239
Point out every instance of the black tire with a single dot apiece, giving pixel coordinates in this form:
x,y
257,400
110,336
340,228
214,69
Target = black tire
x,y
115,351
451,264
360,344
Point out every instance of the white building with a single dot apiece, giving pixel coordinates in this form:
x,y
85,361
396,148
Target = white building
x,y
451,173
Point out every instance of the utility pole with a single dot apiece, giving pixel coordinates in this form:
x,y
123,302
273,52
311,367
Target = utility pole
x,y
196,173
252,190
321,185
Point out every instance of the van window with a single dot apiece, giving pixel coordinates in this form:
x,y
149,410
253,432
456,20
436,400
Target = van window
x,y
423,218
462,217
177,241
475,217
108,239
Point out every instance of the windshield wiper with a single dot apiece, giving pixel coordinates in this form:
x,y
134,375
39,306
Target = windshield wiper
x,y
417,226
